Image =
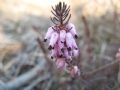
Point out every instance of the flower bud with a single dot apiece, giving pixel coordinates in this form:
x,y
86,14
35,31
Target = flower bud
x,y
74,71
60,63
75,53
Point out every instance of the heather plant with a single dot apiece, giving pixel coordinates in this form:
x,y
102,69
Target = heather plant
x,y
61,37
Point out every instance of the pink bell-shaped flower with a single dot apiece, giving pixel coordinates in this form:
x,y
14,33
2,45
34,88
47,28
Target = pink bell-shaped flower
x,y
60,63
69,40
74,71
68,57
48,34
74,45
72,30
75,53
53,40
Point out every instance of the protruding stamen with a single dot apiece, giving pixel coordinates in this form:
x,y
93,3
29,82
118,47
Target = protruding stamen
x,y
76,36
50,47
45,40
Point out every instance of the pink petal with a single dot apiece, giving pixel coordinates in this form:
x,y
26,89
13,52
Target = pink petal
x,y
61,45
74,44
48,34
75,53
73,30
62,35
74,71
70,53
69,41
58,51
53,40
60,63
53,53
67,55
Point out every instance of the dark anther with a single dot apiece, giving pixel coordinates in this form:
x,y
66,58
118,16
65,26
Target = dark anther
x,y
76,36
62,50
69,49
51,57
62,42
45,40
76,48
53,28
61,56
50,47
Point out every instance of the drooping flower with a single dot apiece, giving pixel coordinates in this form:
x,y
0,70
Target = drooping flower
x,y
75,53
74,71
48,34
69,41
61,36
53,40
60,63
72,30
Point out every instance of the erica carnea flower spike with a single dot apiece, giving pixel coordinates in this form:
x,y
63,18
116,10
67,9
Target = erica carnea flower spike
x,y
61,38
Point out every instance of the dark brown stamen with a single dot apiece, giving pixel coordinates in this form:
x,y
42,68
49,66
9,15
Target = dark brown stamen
x,y
76,36
62,42
50,47
45,40
76,48
62,50
69,49
61,56
51,57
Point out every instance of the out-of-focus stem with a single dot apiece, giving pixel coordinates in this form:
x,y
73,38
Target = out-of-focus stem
x,y
87,39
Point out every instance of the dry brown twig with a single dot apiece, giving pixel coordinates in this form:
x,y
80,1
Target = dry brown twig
x,y
41,45
23,79
101,69
118,57
87,38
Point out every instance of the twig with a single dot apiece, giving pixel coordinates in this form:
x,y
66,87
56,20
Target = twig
x,y
49,84
119,74
35,82
23,79
100,69
41,45
87,38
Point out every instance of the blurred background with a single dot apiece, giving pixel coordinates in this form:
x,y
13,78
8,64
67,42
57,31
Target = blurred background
x,y
26,65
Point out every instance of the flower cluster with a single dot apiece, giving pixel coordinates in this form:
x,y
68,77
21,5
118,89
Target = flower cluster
x,y
62,45
61,38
